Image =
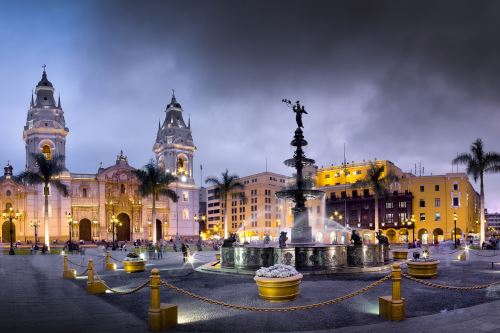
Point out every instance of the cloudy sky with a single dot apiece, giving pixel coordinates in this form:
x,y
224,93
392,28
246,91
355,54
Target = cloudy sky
x,y
408,81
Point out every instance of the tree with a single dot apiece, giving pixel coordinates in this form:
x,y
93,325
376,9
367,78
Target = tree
x,y
378,181
225,185
46,172
477,164
154,181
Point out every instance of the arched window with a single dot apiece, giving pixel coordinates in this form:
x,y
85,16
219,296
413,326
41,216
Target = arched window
x,y
8,206
122,188
185,214
84,192
46,151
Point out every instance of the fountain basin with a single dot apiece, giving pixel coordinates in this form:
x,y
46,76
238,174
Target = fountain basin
x,y
253,258
367,255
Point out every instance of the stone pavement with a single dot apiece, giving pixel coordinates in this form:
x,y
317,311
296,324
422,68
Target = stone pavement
x,y
35,298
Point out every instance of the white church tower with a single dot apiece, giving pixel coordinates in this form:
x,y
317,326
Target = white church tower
x,y
45,130
174,150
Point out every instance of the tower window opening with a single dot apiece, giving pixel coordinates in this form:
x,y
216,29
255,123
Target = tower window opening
x,y
46,151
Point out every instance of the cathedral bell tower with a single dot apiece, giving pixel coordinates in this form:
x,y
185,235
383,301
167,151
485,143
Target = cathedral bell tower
x,y
174,146
45,130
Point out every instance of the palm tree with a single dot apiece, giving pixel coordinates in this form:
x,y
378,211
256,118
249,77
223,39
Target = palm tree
x,y
46,172
478,163
154,181
225,185
377,181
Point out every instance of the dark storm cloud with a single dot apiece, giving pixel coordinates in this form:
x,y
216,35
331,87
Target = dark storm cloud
x,y
409,81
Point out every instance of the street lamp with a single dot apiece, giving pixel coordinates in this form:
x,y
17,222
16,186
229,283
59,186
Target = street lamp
x,y
200,220
10,214
35,224
70,226
177,238
114,221
455,218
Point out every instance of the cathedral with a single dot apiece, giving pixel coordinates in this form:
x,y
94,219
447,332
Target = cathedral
x,y
106,202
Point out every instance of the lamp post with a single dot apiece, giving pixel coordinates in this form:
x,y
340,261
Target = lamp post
x,y
114,221
200,219
70,226
455,218
35,224
10,214
177,238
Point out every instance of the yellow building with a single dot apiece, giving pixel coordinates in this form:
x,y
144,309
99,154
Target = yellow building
x,y
421,207
438,200
253,212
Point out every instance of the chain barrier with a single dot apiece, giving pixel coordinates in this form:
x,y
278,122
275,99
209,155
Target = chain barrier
x,y
440,286
285,309
83,273
126,292
115,259
76,264
121,292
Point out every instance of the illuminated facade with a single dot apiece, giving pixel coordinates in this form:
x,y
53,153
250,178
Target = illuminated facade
x,y
421,207
95,198
253,212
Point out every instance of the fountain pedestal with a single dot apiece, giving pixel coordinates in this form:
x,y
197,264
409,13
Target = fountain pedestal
x,y
301,235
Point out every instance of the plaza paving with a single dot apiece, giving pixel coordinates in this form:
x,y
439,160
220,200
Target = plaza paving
x,y
36,298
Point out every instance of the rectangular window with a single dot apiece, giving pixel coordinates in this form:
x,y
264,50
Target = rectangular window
x,y
185,196
456,202
455,187
437,217
343,194
366,192
422,203
389,205
327,176
402,204
422,188
436,188
422,217
389,217
402,217
354,193
358,172
437,202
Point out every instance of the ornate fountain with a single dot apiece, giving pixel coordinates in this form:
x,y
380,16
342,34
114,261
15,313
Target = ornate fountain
x,y
302,252
299,192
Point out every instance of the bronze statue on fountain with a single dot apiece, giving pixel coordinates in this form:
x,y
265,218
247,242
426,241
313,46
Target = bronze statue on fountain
x,y
300,191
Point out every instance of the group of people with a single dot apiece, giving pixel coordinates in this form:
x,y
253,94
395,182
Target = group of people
x,y
492,244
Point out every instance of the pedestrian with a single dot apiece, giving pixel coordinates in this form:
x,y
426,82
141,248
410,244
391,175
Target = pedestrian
x,y
159,249
184,249
175,247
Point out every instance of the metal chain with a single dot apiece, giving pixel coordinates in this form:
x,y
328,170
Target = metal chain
x,y
285,309
440,286
74,263
83,273
115,259
126,292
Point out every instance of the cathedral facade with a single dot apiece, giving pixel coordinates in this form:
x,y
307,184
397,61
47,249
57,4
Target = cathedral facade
x,y
105,203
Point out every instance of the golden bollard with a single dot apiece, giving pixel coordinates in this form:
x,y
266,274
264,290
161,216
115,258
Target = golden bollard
x,y
109,266
68,273
160,315
393,307
93,286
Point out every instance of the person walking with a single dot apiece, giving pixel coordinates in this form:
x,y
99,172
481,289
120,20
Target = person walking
x,y
159,250
184,249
